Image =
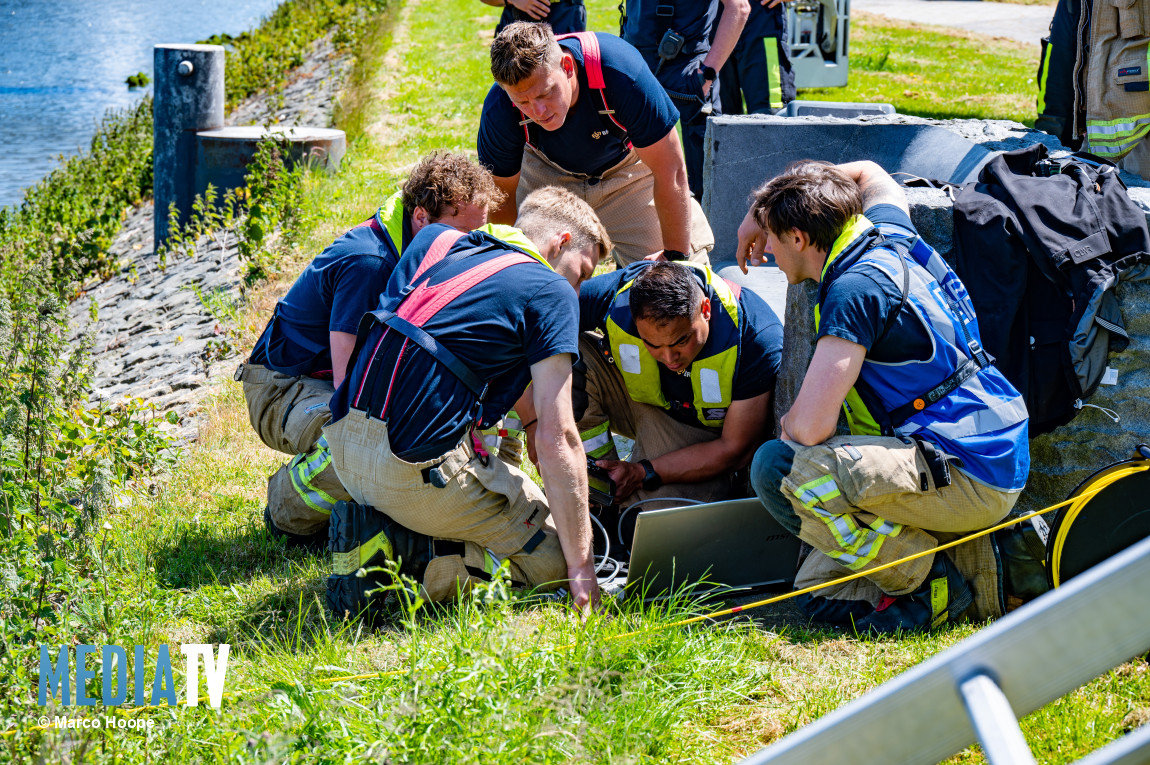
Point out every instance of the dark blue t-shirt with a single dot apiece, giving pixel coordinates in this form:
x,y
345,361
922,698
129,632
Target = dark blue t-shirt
x,y
588,142
760,340
859,301
693,19
519,316
331,295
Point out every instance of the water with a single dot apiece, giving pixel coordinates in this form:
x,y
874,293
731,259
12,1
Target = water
x,y
63,64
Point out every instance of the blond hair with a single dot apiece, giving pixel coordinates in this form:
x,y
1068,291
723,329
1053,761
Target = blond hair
x,y
521,49
552,210
442,181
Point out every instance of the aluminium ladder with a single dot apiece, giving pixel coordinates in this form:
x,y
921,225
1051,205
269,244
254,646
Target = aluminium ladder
x,y
974,691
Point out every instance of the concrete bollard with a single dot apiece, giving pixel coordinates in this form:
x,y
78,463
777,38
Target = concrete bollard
x,y
189,97
222,155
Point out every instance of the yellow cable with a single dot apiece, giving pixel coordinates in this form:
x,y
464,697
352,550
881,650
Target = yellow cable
x,y
1077,502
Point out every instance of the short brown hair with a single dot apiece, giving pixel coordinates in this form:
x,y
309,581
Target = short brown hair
x,y
550,210
442,181
811,196
521,49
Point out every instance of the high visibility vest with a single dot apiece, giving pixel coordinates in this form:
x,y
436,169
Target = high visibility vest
x,y
712,372
983,419
389,217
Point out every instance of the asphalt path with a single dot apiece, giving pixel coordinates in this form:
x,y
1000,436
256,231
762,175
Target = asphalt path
x,y
1025,23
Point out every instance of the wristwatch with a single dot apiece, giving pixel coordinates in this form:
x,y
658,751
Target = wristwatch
x,y
709,74
674,255
651,480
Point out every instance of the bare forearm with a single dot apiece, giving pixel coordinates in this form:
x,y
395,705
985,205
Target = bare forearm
x,y
702,462
875,185
496,3
735,13
562,466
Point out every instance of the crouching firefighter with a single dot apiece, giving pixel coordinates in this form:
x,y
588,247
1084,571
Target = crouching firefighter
x,y
303,352
938,445
684,363
467,322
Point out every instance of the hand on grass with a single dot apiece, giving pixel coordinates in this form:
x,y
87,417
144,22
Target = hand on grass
x,y
584,588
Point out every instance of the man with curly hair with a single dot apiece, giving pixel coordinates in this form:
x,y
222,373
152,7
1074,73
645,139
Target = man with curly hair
x,y
303,353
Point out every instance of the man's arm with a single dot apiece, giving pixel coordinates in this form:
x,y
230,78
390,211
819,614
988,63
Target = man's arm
x,y
563,467
735,13
342,344
508,211
743,431
875,185
834,369
672,195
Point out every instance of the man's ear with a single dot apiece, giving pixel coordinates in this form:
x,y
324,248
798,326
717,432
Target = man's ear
x,y
419,218
705,308
799,238
567,61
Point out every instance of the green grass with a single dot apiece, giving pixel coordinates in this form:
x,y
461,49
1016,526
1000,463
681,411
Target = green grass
x,y
937,72
487,680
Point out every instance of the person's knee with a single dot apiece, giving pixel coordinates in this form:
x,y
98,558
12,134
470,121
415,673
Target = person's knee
x,y
771,465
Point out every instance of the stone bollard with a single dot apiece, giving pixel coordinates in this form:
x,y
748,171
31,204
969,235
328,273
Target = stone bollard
x,y
223,155
189,97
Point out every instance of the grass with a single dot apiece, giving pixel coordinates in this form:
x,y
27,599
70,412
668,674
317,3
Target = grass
x,y
937,72
491,679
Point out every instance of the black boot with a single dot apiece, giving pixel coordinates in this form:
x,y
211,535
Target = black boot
x,y
943,596
310,542
839,612
362,537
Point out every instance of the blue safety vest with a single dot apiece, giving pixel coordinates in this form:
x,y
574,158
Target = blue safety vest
x,y
956,399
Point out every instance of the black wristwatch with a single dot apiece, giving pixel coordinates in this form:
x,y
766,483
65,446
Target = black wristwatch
x,y
709,74
651,480
675,255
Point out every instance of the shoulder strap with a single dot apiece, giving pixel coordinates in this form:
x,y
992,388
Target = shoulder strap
x,y
593,66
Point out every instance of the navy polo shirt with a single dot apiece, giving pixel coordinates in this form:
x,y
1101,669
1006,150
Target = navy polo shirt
x,y
859,301
693,19
498,328
760,340
331,295
588,142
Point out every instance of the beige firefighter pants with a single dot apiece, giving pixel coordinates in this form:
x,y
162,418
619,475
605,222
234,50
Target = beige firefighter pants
x,y
610,409
864,501
289,413
493,508
624,200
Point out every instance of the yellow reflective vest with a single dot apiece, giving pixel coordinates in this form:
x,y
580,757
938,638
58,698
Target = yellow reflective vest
x,y
712,372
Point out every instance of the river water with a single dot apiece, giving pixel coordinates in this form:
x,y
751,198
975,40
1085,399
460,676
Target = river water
x,y
63,64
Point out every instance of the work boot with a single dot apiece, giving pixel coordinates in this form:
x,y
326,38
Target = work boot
x,y
310,542
360,536
943,596
834,611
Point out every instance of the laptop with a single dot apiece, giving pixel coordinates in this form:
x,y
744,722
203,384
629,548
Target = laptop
x,y
732,545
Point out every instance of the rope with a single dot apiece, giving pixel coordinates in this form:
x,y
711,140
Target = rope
x,y
1076,504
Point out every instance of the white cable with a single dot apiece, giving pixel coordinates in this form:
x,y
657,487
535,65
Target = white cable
x,y
607,540
633,505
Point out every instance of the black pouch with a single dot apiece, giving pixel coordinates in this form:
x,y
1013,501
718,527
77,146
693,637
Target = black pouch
x,y
937,461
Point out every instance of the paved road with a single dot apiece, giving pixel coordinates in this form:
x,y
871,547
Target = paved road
x,y
1026,23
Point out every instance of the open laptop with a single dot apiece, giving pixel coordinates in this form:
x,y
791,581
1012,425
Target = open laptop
x,y
732,545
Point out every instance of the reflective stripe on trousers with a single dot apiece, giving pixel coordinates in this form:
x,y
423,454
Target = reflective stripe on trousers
x,y
857,547
304,468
